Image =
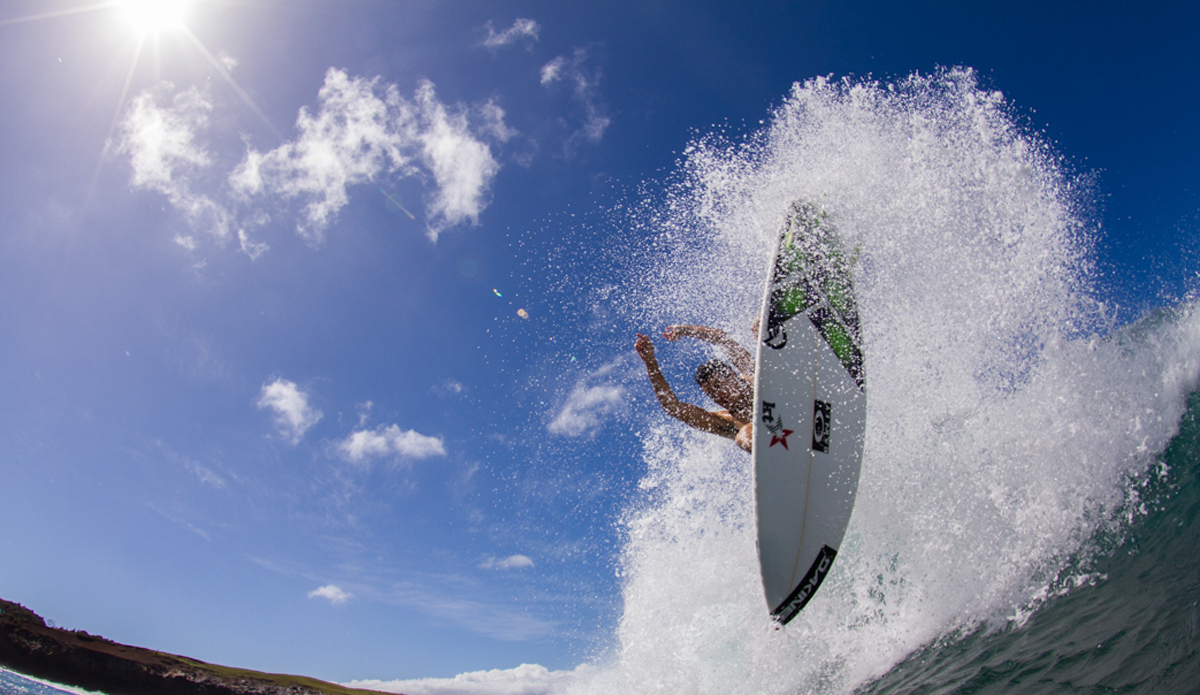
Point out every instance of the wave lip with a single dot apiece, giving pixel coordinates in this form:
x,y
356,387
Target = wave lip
x,y
1007,415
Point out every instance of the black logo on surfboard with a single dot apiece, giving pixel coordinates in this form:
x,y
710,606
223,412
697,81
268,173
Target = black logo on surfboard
x,y
807,587
821,422
776,336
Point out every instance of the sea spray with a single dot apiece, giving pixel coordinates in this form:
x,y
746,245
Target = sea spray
x,y
1005,415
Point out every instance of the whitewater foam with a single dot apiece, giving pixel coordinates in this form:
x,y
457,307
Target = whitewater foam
x,y
1006,415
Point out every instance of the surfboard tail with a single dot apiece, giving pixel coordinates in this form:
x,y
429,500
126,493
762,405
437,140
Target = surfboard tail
x,y
804,591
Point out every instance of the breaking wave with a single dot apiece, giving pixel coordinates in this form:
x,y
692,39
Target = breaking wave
x,y
1011,426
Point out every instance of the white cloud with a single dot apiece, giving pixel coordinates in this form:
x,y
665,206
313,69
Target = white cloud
x,y
331,593
585,83
491,118
251,248
227,61
166,155
364,412
462,166
526,29
354,136
387,441
207,477
362,131
293,414
162,141
512,562
526,679
449,387
586,409
553,71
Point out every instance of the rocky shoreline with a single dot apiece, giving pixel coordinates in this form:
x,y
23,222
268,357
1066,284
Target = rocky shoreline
x,y
73,657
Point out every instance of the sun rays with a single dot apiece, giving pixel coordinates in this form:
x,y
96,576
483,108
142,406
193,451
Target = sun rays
x,y
148,21
60,13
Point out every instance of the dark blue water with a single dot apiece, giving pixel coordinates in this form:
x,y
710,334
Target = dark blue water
x,y
1134,629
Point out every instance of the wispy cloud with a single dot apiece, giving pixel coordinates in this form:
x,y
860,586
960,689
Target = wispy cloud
x,y
464,608
512,562
331,593
181,521
389,440
205,475
491,122
293,414
362,131
522,30
587,408
585,82
462,166
166,153
449,387
355,135
162,143
526,679
364,412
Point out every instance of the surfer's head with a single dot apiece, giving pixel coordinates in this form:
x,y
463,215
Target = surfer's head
x,y
721,382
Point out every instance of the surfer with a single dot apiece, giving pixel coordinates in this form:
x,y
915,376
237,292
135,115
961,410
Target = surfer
x,y
728,383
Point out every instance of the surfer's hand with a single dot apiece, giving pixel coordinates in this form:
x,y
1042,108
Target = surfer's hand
x,y
644,347
673,333
745,437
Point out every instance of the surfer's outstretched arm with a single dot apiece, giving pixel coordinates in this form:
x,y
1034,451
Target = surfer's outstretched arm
x,y
686,413
738,355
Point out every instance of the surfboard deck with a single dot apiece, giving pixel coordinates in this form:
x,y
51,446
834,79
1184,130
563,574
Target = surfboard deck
x,y
810,410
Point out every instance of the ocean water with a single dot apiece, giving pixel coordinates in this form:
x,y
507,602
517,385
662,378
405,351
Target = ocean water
x,y
13,683
1129,624
1026,514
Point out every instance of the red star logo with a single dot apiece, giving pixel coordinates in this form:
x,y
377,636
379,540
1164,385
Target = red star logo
x,y
781,439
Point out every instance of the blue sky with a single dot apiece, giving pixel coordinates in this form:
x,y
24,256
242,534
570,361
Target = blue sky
x,y
316,317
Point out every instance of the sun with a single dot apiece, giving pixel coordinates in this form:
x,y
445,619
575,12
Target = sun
x,y
155,16
148,20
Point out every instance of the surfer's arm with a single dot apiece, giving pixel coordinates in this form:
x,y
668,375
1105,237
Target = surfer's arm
x,y
691,415
738,355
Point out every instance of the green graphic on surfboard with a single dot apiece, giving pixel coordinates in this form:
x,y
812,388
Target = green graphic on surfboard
x,y
812,274
809,412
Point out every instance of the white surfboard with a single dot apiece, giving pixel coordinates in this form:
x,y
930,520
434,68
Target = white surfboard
x,y
809,412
